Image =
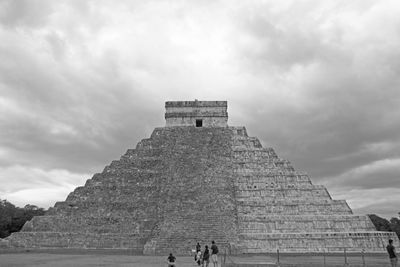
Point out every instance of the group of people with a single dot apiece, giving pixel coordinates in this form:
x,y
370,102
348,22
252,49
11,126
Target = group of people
x,y
203,258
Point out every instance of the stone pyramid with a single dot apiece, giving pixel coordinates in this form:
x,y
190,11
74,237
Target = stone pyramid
x,y
196,180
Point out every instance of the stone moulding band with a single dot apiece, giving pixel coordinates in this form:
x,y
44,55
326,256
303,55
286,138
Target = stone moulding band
x,y
195,115
169,104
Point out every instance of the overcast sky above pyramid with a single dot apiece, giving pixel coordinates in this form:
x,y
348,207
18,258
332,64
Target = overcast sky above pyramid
x,y
83,81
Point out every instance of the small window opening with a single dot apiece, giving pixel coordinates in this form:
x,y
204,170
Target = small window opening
x,y
199,123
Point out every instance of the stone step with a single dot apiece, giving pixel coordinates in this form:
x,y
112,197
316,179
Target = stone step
x,y
262,167
246,142
307,242
260,153
304,218
279,193
270,194
264,171
260,201
301,223
75,240
289,202
270,162
294,208
266,184
305,224
96,224
295,176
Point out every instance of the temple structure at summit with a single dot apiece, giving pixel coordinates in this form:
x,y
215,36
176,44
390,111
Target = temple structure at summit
x,y
198,179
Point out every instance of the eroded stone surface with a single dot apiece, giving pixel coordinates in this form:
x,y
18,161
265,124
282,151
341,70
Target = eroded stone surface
x,y
188,184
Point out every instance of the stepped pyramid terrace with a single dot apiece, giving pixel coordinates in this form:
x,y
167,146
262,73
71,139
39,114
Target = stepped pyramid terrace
x,y
195,180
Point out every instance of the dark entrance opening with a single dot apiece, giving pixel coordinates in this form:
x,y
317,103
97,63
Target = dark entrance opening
x,y
199,123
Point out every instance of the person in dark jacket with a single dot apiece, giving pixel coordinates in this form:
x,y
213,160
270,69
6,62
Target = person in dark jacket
x,y
171,260
392,253
206,257
198,247
214,253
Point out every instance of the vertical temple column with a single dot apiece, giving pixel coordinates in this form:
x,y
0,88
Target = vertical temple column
x,y
196,113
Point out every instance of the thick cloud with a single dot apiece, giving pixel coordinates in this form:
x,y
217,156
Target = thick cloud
x,y
15,13
82,81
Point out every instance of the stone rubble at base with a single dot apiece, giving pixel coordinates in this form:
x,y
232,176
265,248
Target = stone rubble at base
x,y
188,184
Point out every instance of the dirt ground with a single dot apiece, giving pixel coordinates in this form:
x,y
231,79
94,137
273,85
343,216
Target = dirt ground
x,y
68,260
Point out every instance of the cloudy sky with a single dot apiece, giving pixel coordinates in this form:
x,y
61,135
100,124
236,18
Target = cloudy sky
x,y
83,81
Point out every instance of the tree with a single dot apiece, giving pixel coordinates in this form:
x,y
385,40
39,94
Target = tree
x,y
382,224
13,218
395,225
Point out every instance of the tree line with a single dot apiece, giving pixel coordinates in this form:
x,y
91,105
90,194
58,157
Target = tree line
x,y
381,224
12,218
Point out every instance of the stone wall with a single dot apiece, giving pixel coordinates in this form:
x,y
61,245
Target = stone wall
x,y
185,113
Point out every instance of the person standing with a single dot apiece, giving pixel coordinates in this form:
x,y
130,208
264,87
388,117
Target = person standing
x,y
206,257
392,253
198,247
214,253
197,255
